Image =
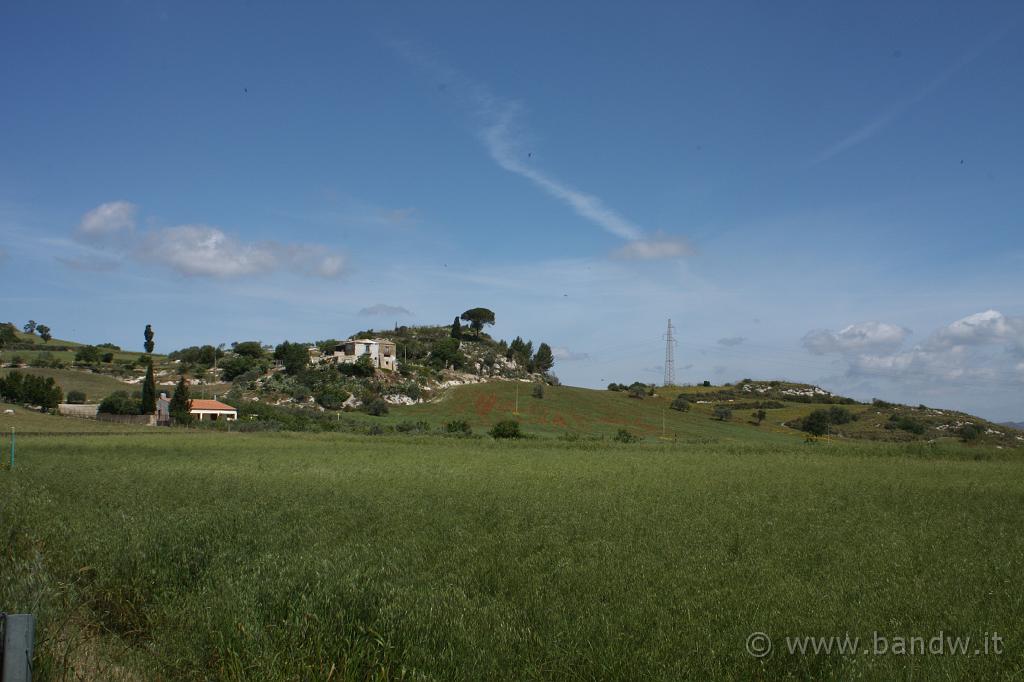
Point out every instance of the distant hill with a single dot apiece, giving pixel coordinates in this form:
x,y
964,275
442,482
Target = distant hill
x,y
1014,425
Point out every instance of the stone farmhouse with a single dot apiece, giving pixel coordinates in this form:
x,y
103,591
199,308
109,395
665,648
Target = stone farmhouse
x,y
381,351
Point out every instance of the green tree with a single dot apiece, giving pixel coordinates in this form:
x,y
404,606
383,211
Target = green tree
x,y
456,329
44,333
76,397
149,390
87,355
181,403
445,353
294,357
722,413
759,416
816,423
252,349
8,334
148,335
477,318
120,402
544,360
30,327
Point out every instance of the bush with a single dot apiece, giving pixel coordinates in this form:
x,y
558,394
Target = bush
x,y
680,403
412,427
905,423
722,413
840,415
120,402
506,429
76,397
87,355
816,423
538,391
458,426
332,398
625,436
969,433
375,407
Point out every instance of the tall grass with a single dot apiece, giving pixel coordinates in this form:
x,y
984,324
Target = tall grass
x,y
298,556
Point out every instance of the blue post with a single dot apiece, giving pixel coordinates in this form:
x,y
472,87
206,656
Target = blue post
x,y
18,640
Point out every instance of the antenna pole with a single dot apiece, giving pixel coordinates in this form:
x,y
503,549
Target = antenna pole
x,y
670,355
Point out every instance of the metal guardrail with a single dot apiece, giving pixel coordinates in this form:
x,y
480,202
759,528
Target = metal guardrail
x,y
17,637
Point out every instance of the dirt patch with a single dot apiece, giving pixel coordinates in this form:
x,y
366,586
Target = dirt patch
x,y
484,404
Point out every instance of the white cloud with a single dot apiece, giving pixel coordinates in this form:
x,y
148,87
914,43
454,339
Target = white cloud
x,y
204,251
563,354
384,310
659,246
964,352
732,341
865,337
107,219
987,327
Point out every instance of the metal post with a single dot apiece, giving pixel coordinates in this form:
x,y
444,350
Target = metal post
x,y
18,640
12,452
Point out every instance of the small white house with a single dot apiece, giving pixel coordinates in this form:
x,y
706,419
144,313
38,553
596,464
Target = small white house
x,y
201,409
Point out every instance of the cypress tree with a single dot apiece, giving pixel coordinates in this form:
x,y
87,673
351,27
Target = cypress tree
x,y
456,329
149,390
181,402
148,334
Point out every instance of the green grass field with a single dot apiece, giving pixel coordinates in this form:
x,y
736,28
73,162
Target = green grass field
x,y
197,555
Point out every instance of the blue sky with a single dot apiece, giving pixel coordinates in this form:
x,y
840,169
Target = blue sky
x,y
816,191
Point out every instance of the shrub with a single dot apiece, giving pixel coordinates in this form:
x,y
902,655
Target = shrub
x,y
538,391
458,426
412,427
87,355
375,407
76,397
969,433
680,403
508,428
120,402
706,383
722,413
816,423
905,423
625,436
332,398
840,415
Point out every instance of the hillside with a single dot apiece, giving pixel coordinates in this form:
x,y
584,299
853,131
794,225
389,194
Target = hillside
x,y
477,380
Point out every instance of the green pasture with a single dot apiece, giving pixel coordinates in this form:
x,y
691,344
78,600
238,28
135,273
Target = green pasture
x,y
197,555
